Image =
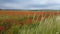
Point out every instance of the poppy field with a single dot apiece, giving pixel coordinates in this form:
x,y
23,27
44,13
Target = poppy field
x,y
29,22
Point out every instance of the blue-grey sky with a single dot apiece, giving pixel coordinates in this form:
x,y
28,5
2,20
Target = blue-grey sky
x,y
30,4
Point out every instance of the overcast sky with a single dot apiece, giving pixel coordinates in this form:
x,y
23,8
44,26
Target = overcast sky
x,y
30,4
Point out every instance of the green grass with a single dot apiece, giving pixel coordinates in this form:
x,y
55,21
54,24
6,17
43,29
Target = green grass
x,y
45,26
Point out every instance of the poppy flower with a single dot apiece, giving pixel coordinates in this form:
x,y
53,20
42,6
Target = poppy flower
x,y
1,28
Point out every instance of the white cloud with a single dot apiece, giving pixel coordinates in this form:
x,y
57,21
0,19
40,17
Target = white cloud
x,y
26,4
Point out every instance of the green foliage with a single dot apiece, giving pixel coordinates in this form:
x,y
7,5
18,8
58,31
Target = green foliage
x,y
45,26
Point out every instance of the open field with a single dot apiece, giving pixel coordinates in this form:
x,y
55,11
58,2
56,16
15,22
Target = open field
x,y
29,22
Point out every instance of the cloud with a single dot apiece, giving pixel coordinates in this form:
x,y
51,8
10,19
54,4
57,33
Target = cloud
x,y
30,4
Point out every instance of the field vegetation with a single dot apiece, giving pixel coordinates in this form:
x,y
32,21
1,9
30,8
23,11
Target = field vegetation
x,y
21,22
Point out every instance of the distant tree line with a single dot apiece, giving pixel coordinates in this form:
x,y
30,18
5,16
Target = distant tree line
x,y
0,9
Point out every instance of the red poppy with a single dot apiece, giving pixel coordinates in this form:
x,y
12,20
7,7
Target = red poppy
x,y
1,28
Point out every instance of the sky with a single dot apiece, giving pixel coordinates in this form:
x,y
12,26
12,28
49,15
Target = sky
x,y
30,4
